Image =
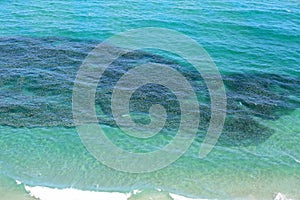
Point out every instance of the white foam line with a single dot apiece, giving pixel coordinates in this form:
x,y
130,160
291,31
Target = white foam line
x,y
295,159
178,197
280,196
44,193
298,161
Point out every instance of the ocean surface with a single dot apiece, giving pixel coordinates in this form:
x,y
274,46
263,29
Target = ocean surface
x,y
254,44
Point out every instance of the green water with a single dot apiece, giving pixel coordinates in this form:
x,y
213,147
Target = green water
x,y
255,45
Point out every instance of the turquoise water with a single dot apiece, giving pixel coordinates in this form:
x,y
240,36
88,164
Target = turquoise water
x,y
254,44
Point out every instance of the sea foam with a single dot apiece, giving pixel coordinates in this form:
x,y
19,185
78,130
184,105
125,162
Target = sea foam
x,y
45,193
280,196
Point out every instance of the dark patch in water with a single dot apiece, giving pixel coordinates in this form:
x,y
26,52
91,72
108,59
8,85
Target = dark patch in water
x,y
252,97
37,75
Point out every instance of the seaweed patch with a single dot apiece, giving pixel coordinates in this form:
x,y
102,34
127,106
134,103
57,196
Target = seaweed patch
x,y
37,76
